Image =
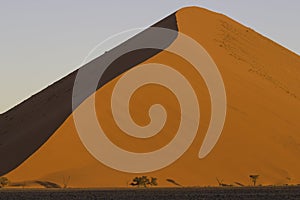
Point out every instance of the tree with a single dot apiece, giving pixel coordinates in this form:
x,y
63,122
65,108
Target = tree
x,y
254,179
3,182
144,181
153,181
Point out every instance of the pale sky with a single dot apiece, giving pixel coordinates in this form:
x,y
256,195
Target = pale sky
x,y
41,41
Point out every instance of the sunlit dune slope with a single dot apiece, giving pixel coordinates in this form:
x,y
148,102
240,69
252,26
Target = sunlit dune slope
x,y
261,134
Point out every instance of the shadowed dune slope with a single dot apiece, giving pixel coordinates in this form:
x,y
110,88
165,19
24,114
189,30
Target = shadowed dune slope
x,y
261,134
24,128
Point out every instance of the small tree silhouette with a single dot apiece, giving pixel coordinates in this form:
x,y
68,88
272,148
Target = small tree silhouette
x,y
153,181
254,179
3,182
143,181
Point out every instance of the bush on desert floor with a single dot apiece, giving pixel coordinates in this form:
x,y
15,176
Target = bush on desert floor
x,y
144,181
254,179
3,182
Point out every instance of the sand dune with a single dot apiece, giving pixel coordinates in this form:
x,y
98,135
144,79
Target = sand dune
x,y
26,127
260,135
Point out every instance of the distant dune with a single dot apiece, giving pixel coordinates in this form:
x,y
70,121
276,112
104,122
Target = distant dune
x,y
261,135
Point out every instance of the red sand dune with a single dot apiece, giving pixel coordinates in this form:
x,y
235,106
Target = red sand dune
x,y
261,131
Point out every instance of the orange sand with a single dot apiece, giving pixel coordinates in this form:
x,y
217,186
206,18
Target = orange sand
x,y
261,133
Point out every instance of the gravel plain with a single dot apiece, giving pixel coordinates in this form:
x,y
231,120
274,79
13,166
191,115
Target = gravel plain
x,y
213,193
